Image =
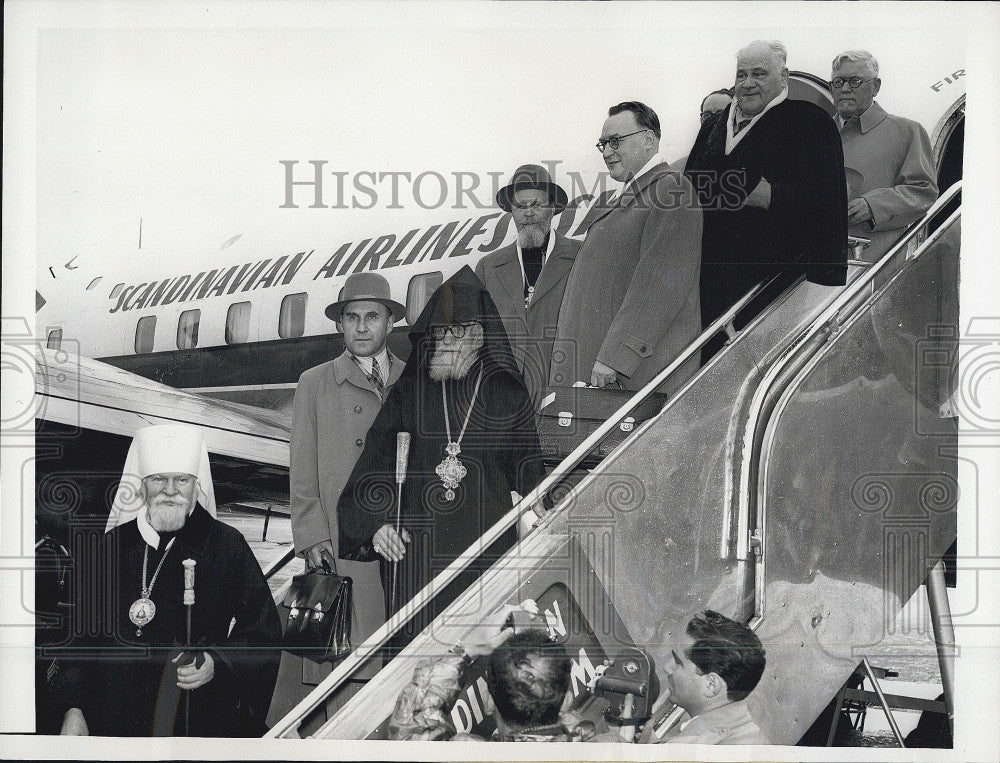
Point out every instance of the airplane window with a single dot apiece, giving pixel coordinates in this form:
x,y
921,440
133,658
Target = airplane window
x,y
238,323
114,291
187,329
292,319
54,339
419,291
145,329
94,283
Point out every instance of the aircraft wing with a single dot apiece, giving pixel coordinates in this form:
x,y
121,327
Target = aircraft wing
x,y
86,394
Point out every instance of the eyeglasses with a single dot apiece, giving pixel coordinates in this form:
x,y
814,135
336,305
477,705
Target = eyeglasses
x,y
533,204
705,115
616,140
457,330
854,82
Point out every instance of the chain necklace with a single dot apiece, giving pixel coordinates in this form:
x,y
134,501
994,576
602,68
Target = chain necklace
x,y
143,610
450,470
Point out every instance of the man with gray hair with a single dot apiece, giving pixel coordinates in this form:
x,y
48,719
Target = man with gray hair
x,y
769,174
175,630
888,159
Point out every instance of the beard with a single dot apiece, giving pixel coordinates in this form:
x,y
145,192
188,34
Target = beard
x,y
531,236
454,362
168,515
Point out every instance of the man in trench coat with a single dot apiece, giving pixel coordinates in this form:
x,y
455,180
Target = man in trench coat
x,y
335,404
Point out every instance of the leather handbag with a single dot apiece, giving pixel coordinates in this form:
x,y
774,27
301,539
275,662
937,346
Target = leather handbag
x,y
317,615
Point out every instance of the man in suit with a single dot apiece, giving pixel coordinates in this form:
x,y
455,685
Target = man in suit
x,y
888,159
631,303
769,175
717,665
715,102
335,404
527,278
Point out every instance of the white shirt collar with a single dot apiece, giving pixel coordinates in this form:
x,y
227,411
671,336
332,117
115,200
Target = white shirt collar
x,y
734,111
654,160
383,363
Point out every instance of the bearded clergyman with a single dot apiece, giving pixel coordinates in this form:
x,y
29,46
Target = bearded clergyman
x,y
474,449
137,667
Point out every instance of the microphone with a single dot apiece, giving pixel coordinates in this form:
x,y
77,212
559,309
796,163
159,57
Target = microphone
x,y
402,456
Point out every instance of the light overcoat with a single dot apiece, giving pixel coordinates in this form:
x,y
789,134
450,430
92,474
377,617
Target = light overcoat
x,y
632,299
335,404
530,330
889,163
729,724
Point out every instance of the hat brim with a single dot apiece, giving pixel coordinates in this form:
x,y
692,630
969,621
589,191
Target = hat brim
x,y
555,192
397,310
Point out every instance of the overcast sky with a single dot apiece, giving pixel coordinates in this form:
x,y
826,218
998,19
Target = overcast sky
x,y
184,125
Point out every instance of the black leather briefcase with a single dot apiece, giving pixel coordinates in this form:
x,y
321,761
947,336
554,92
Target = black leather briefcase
x,y
316,613
570,414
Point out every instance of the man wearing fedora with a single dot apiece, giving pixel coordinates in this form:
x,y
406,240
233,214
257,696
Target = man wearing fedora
x,y
335,404
527,278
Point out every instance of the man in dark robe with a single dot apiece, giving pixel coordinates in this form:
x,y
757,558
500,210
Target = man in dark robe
x,y
769,173
460,386
125,674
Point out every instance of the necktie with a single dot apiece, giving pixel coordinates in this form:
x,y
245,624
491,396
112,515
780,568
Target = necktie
x,y
741,125
376,378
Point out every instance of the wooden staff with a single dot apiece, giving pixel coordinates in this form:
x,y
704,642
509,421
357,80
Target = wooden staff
x,y
402,456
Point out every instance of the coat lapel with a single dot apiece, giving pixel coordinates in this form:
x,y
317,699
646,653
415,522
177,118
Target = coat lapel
x,y
557,264
509,272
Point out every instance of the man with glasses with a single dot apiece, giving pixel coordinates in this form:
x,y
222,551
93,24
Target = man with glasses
x,y
527,278
631,303
888,159
473,443
715,103
770,178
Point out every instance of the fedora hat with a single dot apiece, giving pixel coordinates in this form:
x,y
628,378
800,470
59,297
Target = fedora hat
x,y
369,287
532,176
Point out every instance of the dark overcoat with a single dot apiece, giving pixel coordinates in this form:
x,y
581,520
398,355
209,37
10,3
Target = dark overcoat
x,y
796,146
114,675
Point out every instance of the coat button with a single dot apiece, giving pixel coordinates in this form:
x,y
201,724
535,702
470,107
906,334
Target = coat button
x,y
643,348
359,442
357,409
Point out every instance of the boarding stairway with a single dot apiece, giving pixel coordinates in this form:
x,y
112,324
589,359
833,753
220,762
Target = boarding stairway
x,y
803,481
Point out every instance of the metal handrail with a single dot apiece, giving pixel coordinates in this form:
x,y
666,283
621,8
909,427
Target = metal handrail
x,y
275,566
766,398
409,610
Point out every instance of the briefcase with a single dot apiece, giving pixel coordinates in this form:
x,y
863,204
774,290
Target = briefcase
x,y
571,414
316,613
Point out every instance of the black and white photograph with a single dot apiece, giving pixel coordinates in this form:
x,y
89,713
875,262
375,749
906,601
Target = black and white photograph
x,y
482,381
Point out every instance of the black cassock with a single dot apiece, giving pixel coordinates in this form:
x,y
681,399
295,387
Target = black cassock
x,y
114,675
499,450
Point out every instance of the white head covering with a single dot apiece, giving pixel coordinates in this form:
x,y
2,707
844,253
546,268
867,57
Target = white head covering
x,y
162,449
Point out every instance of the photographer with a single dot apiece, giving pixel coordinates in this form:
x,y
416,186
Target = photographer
x,y
528,679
